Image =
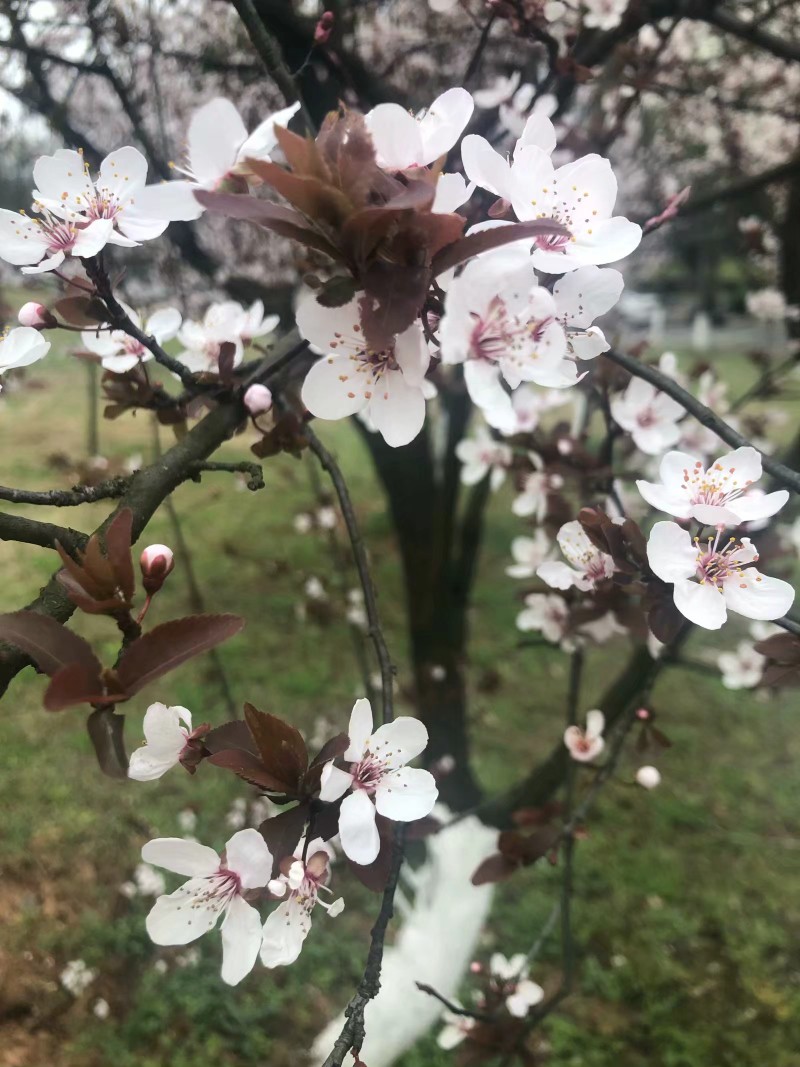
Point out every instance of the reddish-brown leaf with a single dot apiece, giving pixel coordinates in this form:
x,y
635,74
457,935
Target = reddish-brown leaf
x,y
281,747
81,310
251,769
77,683
50,645
172,643
282,832
485,240
233,734
495,868
118,538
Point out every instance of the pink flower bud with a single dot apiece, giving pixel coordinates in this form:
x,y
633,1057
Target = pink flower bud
x,y
323,28
156,562
37,316
643,714
258,399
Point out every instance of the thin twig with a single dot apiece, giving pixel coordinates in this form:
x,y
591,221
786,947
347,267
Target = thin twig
x,y
330,465
704,415
67,498
269,52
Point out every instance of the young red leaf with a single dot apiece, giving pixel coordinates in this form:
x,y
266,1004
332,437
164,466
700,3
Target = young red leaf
x,y
281,747
50,645
77,683
81,310
169,645
282,832
495,868
250,769
485,240
118,538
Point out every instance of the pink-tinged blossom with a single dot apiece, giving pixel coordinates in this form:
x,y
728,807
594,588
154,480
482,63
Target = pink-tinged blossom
x,y
528,553
510,976
603,14
452,191
76,215
502,326
714,576
651,417
254,323
586,745
545,613
218,148
580,195
531,402
378,780
532,501
21,347
587,565
288,926
481,454
350,378
166,732
648,777
456,1028
582,296
402,140
743,668
120,352
719,495
499,92
202,341
217,887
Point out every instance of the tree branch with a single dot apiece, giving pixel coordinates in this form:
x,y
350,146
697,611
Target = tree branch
x,y
44,534
704,415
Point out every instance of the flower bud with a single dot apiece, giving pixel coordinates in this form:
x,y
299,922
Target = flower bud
x,y
648,777
323,29
37,316
156,562
258,399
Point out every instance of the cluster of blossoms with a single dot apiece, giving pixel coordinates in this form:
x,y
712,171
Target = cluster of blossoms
x,y
506,983
373,780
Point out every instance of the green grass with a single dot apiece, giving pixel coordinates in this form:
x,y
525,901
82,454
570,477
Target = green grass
x,y
687,906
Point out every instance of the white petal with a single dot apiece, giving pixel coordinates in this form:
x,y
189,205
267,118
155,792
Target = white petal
x,y
173,201
247,855
538,131
585,294
327,395
412,355
164,324
139,227
451,192
396,136
670,552
444,122
702,604
757,596
21,240
46,264
406,794
93,237
745,462
590,344
62,179
486,391
215,135
360,729
147,764
486,167
595,723
21,347
665,498
397,409
123,174
262,141
162,728
334,782
181,856
284,933
557,574
399,741
752,507
241,940
185,915
357,830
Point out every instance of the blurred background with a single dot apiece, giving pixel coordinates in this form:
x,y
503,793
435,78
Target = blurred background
x,y
686,914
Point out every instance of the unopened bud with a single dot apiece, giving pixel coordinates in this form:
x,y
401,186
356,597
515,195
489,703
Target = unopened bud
x,y
258,399
37,316
648,777
156,562
643,714
323,28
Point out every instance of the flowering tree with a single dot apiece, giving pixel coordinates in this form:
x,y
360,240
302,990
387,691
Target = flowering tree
x,y
450,267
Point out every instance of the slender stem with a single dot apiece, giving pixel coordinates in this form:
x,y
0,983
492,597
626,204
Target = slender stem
x,y
330,465
269,52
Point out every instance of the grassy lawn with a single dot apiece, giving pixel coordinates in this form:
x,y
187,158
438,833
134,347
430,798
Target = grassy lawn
x,y
687,899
